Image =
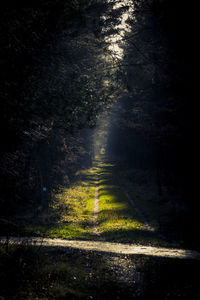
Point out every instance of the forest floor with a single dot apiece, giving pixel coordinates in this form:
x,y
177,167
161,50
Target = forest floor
x,y
101,239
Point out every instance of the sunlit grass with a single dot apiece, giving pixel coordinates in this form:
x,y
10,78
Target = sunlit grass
x,y
72,209
115,213
161,211
70,231
118,221
116,218
71,214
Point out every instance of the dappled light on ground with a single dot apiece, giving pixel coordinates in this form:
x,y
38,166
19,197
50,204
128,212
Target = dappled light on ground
x,y
95,207
71,213
118,227
118,220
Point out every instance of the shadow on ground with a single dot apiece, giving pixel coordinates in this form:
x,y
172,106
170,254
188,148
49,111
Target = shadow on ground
x,y
56,273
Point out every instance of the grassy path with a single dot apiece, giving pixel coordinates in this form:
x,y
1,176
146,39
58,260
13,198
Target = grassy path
x,y
120,220
93,244
96,206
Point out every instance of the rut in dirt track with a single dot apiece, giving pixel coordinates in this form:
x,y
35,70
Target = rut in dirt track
x,y
96,208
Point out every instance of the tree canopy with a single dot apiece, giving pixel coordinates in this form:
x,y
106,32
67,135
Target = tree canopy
x,y
60,70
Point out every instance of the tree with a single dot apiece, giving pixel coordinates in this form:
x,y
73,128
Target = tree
x,y
54,67
157,72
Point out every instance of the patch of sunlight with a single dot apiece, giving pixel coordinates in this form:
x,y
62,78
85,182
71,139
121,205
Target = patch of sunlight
x,y
115,213
70,231
112,222
117,207
104,165
118,220
116,41
76,201
71,211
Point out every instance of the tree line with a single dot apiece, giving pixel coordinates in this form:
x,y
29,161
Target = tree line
x,y
55,70
52,90
155,119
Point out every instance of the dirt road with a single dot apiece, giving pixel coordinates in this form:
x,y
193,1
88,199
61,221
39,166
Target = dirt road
x,y
101,246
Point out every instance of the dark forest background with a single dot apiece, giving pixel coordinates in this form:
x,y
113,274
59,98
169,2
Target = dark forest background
x,y
51,75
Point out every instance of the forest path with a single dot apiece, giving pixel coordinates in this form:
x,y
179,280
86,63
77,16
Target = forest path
x,y
96,209
101,246
108,225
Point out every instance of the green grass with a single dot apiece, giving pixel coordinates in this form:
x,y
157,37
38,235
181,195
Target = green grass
x,y
70,214
165,213
142,187
56,273
118,221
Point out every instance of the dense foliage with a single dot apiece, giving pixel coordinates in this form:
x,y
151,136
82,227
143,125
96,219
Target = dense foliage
x,y
155,120
58,73
52,61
